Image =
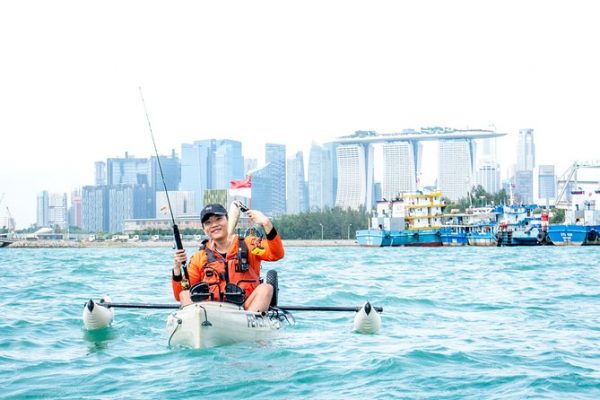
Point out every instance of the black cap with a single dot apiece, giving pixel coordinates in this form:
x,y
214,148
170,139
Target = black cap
x,y
212,209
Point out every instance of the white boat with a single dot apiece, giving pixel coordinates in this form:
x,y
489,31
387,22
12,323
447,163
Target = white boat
x,y
210,324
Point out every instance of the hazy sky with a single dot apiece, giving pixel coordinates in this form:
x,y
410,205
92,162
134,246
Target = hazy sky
x,y
283,72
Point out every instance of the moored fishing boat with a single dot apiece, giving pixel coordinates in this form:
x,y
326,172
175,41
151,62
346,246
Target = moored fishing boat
x,y
412,219
474,227
210,324
582,221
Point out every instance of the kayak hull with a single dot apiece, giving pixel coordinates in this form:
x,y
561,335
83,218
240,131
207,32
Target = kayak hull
x,y
211,324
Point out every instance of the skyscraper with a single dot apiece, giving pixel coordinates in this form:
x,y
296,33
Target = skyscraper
x,y
488,176
75,209
196,169
127,202
320,178
398,169
100,167
525,151
229,163
297,193
127,171
546,182
210,164
94,206
52,209
456,159
355,179
171,169
42,209
275,158
523,179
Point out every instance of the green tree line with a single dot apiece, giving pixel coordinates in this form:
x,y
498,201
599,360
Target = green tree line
x,y
336,223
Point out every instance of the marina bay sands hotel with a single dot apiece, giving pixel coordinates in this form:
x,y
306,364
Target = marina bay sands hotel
x,y
402,163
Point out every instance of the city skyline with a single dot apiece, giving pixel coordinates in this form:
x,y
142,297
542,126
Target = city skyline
x,y
255,73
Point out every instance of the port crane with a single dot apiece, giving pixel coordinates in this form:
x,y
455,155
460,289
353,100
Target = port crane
x,y
570,176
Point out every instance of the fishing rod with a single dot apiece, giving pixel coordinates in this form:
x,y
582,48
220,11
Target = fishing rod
x,y
176,234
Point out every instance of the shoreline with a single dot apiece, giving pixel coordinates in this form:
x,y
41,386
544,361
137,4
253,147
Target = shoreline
x,y
63,244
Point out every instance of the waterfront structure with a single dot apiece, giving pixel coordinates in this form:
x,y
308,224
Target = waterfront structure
x,y
360,149
320,178
355,184
94,206
297,193
546,182
456,167
183,204
399,168
100,167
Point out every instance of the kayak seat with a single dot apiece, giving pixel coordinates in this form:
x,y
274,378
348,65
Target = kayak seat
x,y
200,292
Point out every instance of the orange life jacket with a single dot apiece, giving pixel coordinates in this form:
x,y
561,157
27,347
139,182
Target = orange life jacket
x,y
217,272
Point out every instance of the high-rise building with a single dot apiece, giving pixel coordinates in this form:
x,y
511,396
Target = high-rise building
x,y
127,171
183,204
488,175
171,169
355,178
525,151
127,202
210,164
94,207
229,163
52,209
523,187
42,209
261,190
523,178
399,169
320,178
546,182
100,173
196,169
297,193
456,159
75,209
275,170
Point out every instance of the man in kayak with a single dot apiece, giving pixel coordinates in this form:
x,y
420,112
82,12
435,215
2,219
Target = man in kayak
x,y
227,267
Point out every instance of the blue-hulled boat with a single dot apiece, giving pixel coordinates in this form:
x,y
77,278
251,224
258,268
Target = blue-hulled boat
x,y
412,219
582,221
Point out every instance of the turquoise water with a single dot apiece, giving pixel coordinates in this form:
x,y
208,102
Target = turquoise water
x,y
458,323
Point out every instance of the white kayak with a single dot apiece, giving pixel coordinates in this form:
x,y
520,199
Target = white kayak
x,y
210,324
